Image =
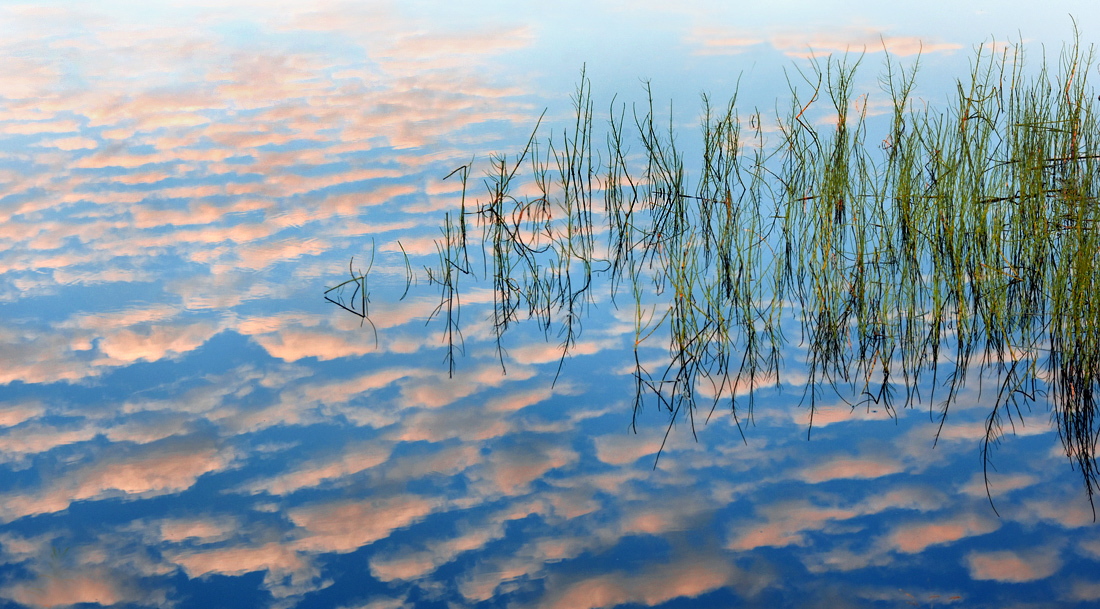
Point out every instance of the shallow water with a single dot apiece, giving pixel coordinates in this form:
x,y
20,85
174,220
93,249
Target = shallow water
x,y
185,421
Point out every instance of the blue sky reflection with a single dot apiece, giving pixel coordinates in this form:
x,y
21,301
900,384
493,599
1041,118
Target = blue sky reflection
x,y
184,420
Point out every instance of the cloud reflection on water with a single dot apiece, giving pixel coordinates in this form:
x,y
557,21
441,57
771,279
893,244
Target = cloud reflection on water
x,y
178,405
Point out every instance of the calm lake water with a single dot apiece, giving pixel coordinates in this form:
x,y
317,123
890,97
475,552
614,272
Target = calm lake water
x,y
186,422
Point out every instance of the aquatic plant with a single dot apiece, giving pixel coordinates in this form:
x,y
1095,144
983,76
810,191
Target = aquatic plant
x,y
968,232
358,303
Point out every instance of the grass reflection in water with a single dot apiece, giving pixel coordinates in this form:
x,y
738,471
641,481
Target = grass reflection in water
x,y
964,239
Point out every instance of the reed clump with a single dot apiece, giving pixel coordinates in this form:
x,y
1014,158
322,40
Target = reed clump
x,y
967,232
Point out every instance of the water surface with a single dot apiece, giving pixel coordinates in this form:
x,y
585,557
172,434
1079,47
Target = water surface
x,y
185,421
